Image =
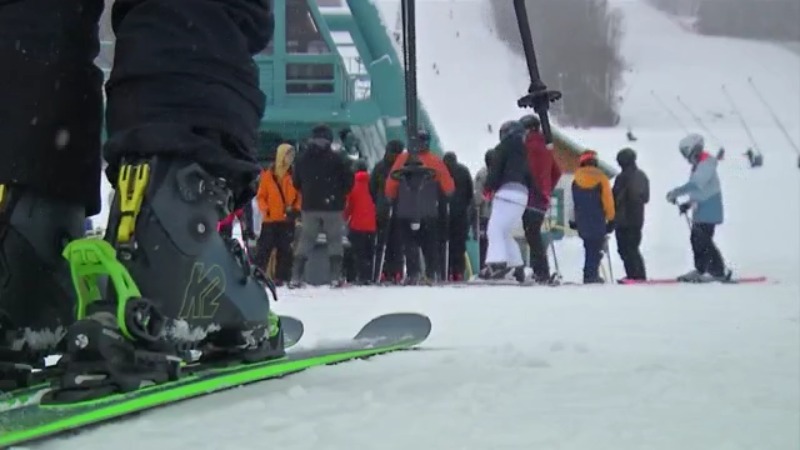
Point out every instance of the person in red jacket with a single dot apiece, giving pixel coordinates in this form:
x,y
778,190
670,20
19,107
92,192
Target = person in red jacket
x,y
361,216
546,174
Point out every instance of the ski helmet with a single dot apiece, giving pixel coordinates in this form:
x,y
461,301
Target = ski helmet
x,y
626,157
530,121
510,128
691,146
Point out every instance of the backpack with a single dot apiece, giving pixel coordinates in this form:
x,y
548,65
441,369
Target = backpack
x,y
417,194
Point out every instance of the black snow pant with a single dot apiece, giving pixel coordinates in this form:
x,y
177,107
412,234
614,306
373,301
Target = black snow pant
x,y
483,241
277,236
390,241
707,258
457,233
532,223
628,241
183,83
361,256
426,238
593,256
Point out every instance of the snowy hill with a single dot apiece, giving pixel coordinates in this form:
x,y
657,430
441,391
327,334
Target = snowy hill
x,y
572,368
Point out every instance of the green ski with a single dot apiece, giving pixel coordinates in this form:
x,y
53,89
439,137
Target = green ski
x,y
35,422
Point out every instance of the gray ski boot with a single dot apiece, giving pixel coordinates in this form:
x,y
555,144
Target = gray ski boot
x,y
197,291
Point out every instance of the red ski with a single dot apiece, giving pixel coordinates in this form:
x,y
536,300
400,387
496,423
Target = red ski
x,y
734,280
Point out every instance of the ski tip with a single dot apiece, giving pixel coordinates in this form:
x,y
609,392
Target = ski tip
x,y
400,327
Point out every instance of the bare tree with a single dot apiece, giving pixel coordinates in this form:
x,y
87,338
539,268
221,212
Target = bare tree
x,y
577,43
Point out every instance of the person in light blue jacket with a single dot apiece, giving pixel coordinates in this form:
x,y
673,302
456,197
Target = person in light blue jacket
x,y
703,194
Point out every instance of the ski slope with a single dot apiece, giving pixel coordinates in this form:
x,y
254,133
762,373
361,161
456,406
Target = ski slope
x,y
571,368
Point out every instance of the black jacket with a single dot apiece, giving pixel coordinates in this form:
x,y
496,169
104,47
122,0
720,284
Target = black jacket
x,y
631,192
461,200
323,177
509,164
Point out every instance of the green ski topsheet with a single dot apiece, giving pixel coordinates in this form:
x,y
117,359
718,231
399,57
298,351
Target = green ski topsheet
x,y
383,334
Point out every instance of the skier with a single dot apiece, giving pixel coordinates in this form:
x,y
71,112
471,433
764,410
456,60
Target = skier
x,y
181,120
593,214
483,207
457,222
423,234
279,203
507,185
631,192
324,179
705,201
359,212
389,234
546,174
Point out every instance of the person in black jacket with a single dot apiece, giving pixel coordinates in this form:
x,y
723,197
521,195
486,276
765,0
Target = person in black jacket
x,y
507,184
457,221
323,178
631,192
389,235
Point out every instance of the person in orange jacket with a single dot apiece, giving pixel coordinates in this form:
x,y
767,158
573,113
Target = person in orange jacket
x,y
426,235
593,214
279,203
361,217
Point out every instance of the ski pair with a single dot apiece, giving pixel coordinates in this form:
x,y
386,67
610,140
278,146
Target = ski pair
x,y
34,421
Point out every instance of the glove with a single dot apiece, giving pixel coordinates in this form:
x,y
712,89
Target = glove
x,y
671,197
487,196
684,207
610,226
573,225
292,214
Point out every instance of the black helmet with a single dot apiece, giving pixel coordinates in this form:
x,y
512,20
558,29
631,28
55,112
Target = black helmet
x,y
510,128
626,157
530,122
450,158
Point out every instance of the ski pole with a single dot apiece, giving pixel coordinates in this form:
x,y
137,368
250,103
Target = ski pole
x,y
608,256
383,245
557,275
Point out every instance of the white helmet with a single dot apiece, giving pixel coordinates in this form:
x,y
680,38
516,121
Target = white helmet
x,y
691,146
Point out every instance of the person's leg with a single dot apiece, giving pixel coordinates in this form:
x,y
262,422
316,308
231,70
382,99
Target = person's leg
x,y
367,257
533,234
283,255
430,242
592,259
183,110
459,231
267,241
639,270
307,239
333,228
50,118
625,243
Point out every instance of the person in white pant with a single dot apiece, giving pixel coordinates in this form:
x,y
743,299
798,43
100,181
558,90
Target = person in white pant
x,y
507,184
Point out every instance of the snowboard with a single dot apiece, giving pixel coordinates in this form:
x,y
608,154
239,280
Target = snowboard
x,y
35,419
656,281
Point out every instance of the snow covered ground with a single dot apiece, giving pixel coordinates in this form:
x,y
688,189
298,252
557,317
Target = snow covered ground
x,y
610,367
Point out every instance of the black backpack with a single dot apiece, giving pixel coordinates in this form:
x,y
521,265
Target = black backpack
x,y
418,193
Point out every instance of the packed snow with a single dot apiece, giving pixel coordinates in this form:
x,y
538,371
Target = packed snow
x,y
606,367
